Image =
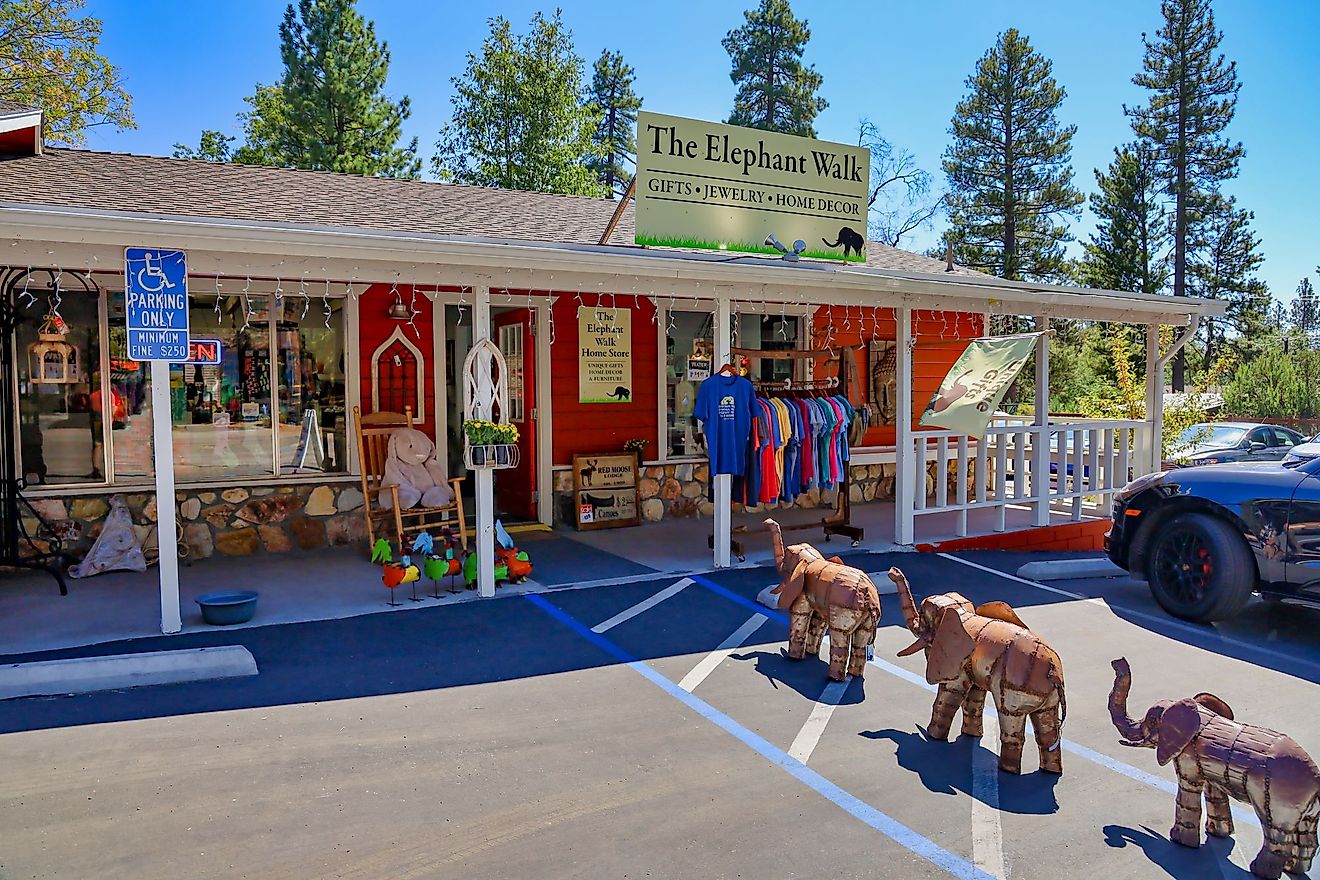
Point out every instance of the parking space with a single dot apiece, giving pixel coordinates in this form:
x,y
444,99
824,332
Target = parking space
x,y
645,729
1113,806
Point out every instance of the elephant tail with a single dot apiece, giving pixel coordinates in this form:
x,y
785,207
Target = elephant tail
x,y
1063,701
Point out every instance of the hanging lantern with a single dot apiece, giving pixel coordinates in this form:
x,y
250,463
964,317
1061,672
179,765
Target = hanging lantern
x,y
51,360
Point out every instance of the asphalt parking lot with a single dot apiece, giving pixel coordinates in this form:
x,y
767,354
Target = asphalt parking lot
x,y
652,729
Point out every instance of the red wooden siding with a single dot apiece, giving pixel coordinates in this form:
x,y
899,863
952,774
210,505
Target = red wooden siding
x,y
602,427
930,364
374,328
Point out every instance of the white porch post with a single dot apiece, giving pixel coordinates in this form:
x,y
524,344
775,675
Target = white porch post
x,y
485,476
167,541
906,467
1040,464
723,482
545,478
1152,458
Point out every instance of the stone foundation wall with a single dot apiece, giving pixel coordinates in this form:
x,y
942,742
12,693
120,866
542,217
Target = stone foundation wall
x,y
680,490
225,522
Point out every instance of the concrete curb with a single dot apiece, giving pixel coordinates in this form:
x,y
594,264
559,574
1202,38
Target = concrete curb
x,y
1070,569
82,675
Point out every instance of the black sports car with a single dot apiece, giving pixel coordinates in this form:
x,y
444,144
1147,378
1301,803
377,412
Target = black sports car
x,y
1205,538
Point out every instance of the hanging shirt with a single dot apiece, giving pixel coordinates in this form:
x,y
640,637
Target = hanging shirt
x,y
724,406
769,470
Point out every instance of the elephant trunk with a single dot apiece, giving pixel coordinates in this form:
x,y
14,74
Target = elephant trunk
x,y
1128,729
777,537
905,600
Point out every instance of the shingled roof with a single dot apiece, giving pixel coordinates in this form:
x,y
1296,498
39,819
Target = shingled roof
x,y
196,188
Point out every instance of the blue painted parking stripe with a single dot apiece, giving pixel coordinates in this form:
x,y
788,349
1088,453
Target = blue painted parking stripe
x,y
932,852
1240,814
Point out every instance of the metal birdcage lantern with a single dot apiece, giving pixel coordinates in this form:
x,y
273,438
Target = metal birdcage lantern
x,y
52,360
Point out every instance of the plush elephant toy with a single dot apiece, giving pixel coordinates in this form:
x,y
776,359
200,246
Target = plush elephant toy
x,y
820,593
974,651
1216,755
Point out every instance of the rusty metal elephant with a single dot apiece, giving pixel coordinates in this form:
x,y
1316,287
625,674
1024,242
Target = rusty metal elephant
x,y
1214,754
974,651
822,593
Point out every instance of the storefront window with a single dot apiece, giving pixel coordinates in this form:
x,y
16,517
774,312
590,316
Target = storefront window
x,y
770,333
688,350
60,400
130,380
310,386
222,414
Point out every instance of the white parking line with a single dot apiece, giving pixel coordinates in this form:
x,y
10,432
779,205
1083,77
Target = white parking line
x,y
987,831
716,657
644,605
1119,610
805,742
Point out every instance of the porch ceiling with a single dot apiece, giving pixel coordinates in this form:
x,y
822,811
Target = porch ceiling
x,y
80,239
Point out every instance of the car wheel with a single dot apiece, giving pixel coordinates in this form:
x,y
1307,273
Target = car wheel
x,y
1200,568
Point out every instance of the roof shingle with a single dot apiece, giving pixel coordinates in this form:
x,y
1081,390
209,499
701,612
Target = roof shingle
x,y
195,188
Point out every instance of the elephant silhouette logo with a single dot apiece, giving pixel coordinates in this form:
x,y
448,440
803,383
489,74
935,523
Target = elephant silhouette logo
x,y
620,394
850,240
949,395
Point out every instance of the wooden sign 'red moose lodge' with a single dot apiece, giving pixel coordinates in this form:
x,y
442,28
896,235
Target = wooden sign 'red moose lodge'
x,y
605,491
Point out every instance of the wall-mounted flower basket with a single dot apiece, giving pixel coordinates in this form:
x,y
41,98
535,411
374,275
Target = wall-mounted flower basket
x,y
494,456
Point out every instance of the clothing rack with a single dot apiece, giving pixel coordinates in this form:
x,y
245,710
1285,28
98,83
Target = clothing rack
x,y
840,521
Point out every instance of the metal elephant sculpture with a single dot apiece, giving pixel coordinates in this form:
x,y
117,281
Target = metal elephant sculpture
x,y
974,651
1216,755
821,593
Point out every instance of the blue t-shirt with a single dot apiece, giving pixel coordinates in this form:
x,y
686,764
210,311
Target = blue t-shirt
x,y
724,406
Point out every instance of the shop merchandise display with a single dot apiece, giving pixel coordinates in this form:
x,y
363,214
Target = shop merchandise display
x,y
724,406
974,651
116,548
412,465
799,442
1221,758
822,594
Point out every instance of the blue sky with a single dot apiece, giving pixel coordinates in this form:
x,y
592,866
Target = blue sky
x,y
188,67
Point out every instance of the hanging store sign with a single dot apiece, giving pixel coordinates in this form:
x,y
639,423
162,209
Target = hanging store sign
x,y
975,385
604,355
723,187
156,304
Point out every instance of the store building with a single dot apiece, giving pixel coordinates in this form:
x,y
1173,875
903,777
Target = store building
x,y
329,292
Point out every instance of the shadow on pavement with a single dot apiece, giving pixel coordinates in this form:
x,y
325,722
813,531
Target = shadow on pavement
x,y
945,768
807,676
1184,863
509,638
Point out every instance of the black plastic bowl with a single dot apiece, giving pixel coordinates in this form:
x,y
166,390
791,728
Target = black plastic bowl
x,y
223,609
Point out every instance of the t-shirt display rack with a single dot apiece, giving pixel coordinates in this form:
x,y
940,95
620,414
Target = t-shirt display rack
x,y
840,521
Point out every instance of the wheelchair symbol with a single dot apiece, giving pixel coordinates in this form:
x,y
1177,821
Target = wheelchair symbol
x,y
154,272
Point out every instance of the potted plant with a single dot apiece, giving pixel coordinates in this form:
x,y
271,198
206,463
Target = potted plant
x,y
491,444
637,446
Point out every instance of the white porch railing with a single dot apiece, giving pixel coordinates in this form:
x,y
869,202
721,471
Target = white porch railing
x,y
1079,464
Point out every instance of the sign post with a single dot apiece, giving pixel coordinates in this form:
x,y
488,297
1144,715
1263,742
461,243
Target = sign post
x,y
156,300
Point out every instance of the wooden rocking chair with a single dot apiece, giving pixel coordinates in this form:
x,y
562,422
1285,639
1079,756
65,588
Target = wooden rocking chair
x,y
373,438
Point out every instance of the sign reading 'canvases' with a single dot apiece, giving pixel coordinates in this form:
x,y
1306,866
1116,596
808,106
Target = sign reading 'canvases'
x,y
708,185
604,355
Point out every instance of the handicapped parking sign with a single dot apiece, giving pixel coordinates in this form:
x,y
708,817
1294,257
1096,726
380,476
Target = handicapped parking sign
x,y
156,304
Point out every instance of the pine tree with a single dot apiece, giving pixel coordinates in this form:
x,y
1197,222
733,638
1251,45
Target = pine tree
x,y
1193,95
1304,310
1127,251
1010,178
612,99
1222,263
776,92
329,111
519,121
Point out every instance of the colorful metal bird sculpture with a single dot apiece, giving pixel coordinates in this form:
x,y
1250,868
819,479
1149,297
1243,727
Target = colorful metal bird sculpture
x,y
381,553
